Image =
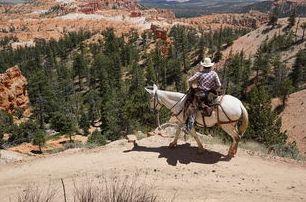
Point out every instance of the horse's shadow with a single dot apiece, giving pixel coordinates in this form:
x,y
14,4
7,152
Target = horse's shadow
x,y
183,154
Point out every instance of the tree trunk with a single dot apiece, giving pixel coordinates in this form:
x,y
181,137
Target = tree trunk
x,y
70,137
80,83
157,119
297,27
284,100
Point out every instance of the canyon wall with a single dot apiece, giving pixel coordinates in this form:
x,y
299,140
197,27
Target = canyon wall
x,y
13,91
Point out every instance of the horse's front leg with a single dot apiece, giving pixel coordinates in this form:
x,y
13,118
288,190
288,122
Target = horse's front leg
x,y
177,133
197,139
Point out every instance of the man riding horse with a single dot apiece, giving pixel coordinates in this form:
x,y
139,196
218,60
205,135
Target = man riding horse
x,y
204,86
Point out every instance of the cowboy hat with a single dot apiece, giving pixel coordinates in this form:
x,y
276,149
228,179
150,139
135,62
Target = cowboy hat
x,y
207,63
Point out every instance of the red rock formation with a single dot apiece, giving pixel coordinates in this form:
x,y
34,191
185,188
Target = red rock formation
x,y
89,8
159,33
13,93
135,14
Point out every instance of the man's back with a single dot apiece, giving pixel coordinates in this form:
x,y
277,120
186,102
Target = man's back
x,y
207,80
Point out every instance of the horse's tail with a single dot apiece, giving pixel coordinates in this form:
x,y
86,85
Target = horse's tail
x,y
244,121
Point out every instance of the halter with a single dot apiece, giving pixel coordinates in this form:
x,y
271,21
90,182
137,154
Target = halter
x,y
156,102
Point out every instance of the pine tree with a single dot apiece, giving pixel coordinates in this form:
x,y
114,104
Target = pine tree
x,y
184,38
292,19
93,100
101,67
111,43
282,86
79,69
261,64
64,82
151,77
265,125
63,123
298,74
273,18
6,122
175,74
158,62
136,105
217,56
112,125
303,26
237,73
39,139
42,96
84,123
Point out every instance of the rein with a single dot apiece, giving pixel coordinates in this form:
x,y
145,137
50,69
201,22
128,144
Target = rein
x,y
156,102
179,102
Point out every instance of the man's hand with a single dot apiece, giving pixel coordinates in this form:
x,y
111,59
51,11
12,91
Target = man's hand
x,y
219,91
193,84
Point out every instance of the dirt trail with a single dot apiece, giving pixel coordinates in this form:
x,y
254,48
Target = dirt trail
x,y
180,172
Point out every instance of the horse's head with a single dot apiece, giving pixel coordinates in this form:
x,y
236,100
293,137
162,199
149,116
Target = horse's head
x,y
154,103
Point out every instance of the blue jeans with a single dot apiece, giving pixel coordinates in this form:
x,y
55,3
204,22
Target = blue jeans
x,y
190,122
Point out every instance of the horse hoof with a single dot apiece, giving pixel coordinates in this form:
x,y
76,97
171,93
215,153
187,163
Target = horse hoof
x,y
231,154
172,145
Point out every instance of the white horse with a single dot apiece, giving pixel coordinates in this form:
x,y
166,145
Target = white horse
x,y
227,114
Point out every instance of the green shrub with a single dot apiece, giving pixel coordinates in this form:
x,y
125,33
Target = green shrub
x,y
25,132
84,123
286,150
5,118
62,123
39,138
18,112
97,138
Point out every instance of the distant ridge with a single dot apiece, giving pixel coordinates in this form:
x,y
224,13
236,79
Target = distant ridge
x,y
12,1
285,7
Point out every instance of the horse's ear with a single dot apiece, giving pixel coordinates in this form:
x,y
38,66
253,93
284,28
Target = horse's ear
x,y
149,91
155,88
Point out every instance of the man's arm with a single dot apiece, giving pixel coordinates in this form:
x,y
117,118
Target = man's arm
x,y
194,77
192,80
218,83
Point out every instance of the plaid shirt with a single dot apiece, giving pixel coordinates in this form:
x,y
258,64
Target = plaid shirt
x,y
207,80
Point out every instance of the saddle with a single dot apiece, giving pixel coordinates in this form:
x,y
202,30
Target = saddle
x,y
201,100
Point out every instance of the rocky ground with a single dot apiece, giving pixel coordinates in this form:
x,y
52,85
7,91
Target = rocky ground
x,y
294,120
251,42
179,175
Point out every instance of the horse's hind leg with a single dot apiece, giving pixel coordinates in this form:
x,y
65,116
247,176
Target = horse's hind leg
x,y
177,133
197,139
231,129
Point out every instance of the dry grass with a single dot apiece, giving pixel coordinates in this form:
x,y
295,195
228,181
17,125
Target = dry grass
x,y
101,189
35,193
129,189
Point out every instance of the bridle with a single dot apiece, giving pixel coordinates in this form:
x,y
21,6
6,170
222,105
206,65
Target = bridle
x,y
156,102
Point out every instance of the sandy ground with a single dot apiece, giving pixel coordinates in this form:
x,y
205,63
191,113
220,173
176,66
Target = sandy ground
x,y
180,174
